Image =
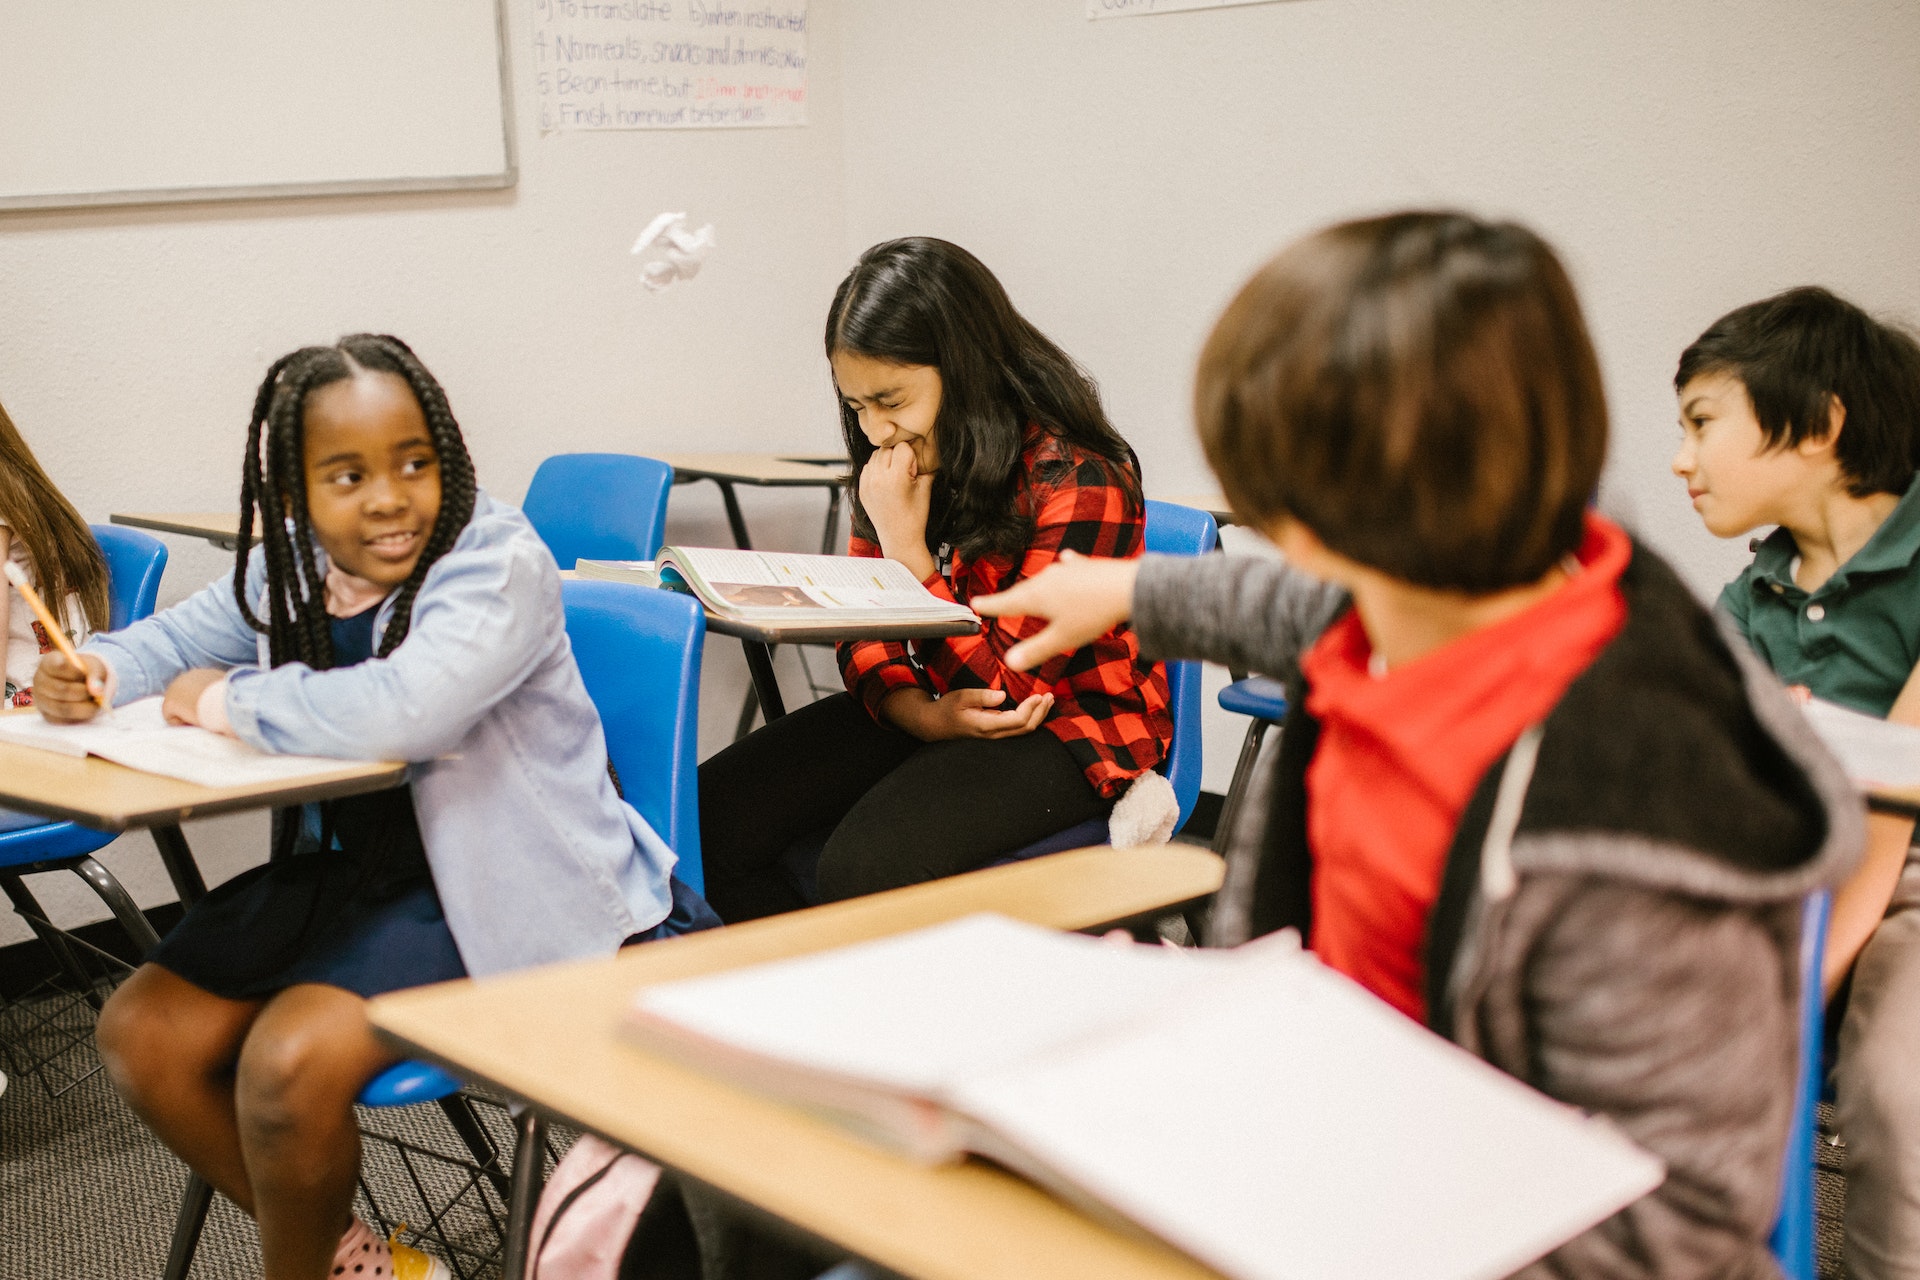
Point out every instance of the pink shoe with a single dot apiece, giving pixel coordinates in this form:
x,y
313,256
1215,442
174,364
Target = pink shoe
x,y
362,1255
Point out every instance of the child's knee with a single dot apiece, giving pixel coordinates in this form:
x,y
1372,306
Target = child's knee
x,y
137,1037
287,1074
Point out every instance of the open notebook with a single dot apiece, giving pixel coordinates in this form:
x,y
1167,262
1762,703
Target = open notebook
x,y
138,736
1252,1108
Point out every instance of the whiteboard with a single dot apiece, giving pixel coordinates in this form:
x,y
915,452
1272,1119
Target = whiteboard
x,y
141,102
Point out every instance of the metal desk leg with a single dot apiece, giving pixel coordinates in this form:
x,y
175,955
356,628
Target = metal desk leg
x,y
180,865
529,1165
830,536
735,521
760,664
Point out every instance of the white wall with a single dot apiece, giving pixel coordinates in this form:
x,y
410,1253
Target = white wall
x,y
1123,177
132,340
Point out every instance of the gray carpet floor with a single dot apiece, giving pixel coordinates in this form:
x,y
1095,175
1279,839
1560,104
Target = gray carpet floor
x,y
87,1193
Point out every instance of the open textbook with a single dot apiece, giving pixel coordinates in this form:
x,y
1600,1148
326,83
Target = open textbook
x,y
138,736
760,586
1251,1107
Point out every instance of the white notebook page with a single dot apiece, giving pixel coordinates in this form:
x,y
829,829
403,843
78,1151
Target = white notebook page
x,y
1286,1125
138,736
918,1012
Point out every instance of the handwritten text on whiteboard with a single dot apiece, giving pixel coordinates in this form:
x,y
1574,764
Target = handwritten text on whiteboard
x,y
670,64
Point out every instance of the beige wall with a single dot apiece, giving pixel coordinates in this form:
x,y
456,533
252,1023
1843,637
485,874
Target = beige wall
x,y
1122,177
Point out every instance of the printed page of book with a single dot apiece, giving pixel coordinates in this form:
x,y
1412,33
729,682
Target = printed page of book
x,y
756,581
138,736
1870,749
918,1012
1286,1124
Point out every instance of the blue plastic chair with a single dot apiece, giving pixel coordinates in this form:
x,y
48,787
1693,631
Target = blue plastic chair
x,y
639,654
1264,701
1792,1240
135,563
599,506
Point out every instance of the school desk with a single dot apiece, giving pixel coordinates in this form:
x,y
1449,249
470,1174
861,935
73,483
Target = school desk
x,y
109,797
763,470
827,471
548,1038
222,529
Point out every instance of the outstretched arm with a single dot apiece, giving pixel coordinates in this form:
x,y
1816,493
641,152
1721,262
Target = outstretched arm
x,y
1245,612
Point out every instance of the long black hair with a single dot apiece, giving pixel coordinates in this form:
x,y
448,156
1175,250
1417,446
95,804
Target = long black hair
x,y
273,482
921,301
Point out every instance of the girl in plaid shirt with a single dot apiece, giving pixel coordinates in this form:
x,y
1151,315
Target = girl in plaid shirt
x,y
981,454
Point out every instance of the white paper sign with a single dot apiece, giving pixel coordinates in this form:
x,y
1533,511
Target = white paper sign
x,y
1141,8
670,64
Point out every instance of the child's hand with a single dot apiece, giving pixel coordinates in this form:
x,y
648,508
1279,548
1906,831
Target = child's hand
x,y
67,694
896,495
182,703
1082,598
964,713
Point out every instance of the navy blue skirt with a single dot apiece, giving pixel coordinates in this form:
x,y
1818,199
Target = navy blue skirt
x,y
306,919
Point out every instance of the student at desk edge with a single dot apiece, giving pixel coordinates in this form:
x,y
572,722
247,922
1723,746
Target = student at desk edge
x,y
980,453
1526,791
1801,411
42,533
396,612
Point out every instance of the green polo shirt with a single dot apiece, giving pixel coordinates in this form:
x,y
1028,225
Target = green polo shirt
x,y
1854,641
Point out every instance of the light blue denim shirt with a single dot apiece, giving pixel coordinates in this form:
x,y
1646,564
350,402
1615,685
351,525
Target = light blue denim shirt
x,y
534,856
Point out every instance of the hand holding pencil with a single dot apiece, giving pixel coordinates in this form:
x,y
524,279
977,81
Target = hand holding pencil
x,y
67,686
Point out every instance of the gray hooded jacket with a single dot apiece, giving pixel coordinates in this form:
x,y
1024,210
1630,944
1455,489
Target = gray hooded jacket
x,y
1620,928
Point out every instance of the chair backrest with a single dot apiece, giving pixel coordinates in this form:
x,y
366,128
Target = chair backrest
x,y
639,653
135,562
1173,530
599,506
1793,1230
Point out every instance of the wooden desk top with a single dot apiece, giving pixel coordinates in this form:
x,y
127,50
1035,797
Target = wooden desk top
x,y
753,468
222,528
548,1037
110,797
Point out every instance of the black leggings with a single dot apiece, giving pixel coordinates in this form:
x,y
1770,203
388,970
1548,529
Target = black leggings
x,y
894,810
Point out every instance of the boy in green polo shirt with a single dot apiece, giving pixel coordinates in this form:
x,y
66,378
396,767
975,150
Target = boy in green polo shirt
x,y
1802,411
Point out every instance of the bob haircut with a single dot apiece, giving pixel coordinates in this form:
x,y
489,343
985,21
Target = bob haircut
x,y
1419,391
922,301
1796,353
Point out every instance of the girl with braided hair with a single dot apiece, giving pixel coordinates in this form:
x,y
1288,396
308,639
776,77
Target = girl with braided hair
x,y
391,611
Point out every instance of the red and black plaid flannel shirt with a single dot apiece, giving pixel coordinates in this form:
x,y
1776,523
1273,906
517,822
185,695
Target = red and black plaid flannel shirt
x,y
1110,708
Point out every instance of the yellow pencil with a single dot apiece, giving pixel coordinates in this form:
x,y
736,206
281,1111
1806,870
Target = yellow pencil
x,y
18,578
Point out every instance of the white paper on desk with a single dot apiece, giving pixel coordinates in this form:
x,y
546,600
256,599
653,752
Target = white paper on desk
x,y
138,736
955,999
1280,1123
1871,750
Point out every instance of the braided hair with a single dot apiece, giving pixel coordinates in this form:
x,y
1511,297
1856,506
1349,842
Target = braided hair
x,y
273,482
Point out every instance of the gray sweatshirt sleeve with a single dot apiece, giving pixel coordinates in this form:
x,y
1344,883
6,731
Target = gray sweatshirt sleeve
x,y
1249,613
